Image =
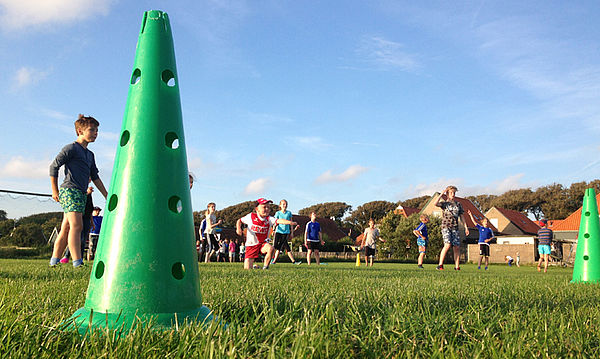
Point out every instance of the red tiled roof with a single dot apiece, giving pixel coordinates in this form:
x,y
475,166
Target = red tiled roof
x,y
572,222
520,220
406,211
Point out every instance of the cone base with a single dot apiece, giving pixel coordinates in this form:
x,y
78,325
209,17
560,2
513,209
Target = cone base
x,y
85,320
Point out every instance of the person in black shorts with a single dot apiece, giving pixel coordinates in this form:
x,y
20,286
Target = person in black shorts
x,y
283,233
485,237
313,239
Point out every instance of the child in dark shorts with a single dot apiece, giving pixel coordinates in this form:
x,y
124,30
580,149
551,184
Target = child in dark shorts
x,y
485,237
283,232
313,238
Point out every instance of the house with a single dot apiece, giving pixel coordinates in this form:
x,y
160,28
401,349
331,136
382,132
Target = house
x,y
511,222
567,229
431,209
405,211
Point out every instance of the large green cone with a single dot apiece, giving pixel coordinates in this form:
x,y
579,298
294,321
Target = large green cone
x,y
146,265
587,257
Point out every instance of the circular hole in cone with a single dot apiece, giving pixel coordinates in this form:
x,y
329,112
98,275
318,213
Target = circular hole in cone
x,y
112,203
175,204
587,214
172,140
587,235
168,78
99,270
135,77
585,258
124,138
178,271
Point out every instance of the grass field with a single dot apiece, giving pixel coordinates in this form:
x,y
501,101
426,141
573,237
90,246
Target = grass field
x,y
337,310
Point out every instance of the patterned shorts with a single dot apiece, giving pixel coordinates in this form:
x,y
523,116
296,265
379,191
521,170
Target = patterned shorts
x,y
451,236
422,243
72,200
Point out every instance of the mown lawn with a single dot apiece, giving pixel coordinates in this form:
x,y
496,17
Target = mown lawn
x,y
335,310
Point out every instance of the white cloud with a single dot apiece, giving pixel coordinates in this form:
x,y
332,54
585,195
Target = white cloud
x,y
57,115
387,55
312,143
350,173
257,186
19,167
26,76
19,14
464,190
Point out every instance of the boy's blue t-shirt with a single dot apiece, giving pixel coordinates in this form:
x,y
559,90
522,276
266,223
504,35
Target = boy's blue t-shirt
x,y
80,166
97,224
423,229
283,228
312,230
484,233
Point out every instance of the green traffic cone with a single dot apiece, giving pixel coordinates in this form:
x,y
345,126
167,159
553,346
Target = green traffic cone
x,y
587,257
146,270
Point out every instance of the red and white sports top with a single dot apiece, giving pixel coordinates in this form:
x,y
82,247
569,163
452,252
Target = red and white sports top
x,y
258,228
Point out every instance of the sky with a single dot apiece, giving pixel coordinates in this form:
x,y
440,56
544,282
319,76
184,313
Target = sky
x,y
315,101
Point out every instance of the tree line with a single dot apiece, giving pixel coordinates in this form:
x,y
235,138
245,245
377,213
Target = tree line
x,y
553,201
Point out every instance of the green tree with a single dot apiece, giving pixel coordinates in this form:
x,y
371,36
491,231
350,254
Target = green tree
x,y
483,201
553,201
359,218
28,235
231,214
417,202
335,210
401,243
6,228
3,215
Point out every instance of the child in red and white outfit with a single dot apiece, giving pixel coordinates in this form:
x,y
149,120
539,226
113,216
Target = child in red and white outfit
x,y
259,223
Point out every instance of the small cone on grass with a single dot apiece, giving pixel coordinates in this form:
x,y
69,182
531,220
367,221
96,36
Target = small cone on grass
x,y
145,271
358,259
587,257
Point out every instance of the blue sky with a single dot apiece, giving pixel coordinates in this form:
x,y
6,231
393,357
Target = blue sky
x,y
316,101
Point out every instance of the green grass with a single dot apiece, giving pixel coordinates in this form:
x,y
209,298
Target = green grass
x,y
338,310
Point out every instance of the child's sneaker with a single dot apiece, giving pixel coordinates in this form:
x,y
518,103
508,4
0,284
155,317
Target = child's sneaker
x,y
479,267
440,267
64,260
485,267
265,267
455,268
298,263
420,266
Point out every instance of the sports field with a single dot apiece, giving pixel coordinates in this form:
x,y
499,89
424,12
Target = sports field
x,y
335,310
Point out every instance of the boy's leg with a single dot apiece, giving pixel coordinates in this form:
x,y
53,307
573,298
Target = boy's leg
x,y
308,253
443,253
547,259
248,263
487,261
317,257
267,250
276,256
61,240
456,250
75,226
479,262
291,256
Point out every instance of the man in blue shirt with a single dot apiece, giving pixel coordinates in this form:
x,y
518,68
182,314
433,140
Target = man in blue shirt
x,y
485,237
313,238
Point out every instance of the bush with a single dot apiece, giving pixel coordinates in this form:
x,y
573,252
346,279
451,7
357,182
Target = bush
x,y
28,235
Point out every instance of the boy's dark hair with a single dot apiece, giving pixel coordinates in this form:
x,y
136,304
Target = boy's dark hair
x,y
85,121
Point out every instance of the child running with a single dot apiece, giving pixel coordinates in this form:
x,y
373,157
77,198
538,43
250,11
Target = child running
x,y
313,238
80,166
485,237
422,239
369,242
283,233
258,223
211,237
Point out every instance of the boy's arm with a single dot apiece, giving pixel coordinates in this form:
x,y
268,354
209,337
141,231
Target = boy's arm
x,y
54,186
321,237
238,227
100,185
472,218
439,199
306,235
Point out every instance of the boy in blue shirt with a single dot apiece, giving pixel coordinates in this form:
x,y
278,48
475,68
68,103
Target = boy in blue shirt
x,y
283,232
313,238
485,237
80,166
422,238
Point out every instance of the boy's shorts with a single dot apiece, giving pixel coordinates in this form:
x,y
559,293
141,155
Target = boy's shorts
x,y
281,242
544,249
314,245
252,252
451,236
369,252
422,243
72,200
484,250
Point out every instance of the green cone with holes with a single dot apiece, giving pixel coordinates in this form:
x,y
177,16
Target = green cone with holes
x,y
145,271
587,257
